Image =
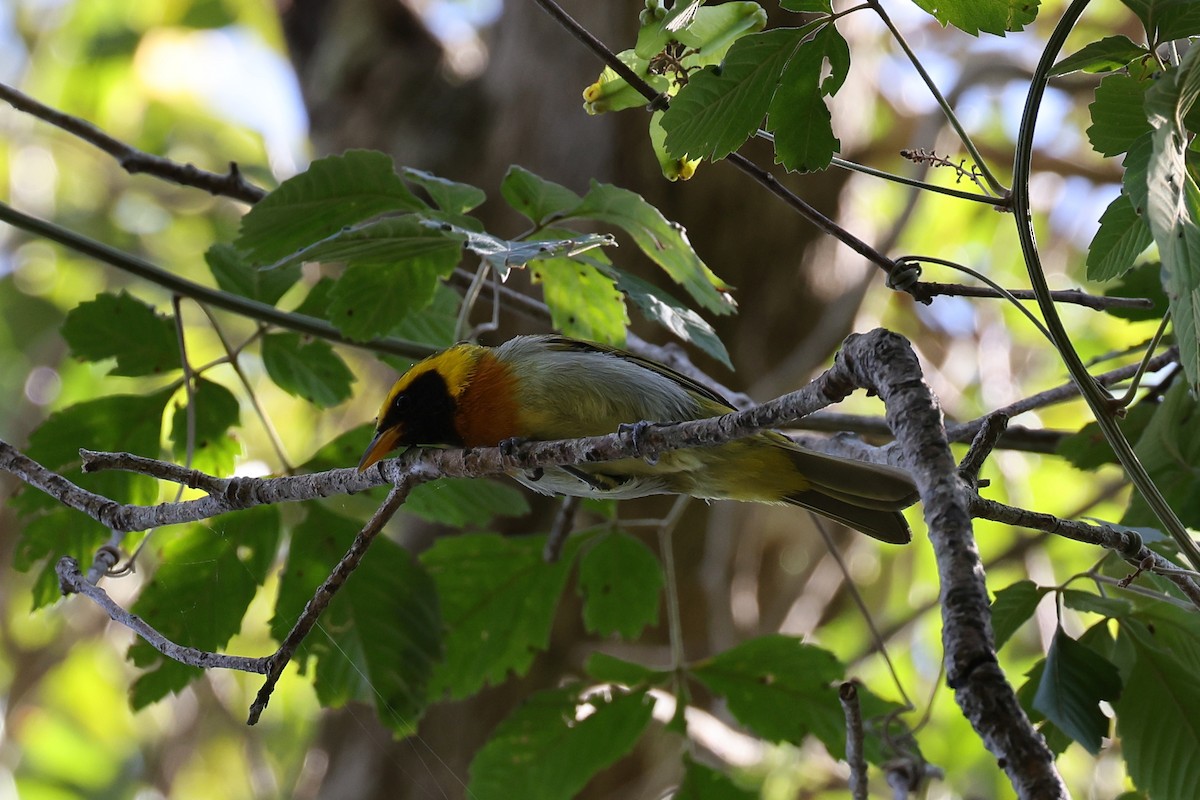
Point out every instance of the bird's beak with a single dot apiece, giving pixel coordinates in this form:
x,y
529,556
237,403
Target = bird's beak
x,y
384,442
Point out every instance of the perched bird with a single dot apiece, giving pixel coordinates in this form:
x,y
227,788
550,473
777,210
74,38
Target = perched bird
x,y
551,387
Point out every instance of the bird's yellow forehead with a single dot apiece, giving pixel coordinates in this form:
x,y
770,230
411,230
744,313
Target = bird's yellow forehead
x,y
454,365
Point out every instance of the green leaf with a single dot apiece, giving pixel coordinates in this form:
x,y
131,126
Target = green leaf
x,y
122,327
1112,607
720,107
498,599
129,423
234,275
1173,205
663,241
703,783
1107,55
1012,607
1176,630
451,196
798,116
535,197
1056,740
583,301
1117,115
207,576
1156,719
343,451
216,411
1075,680
371,300
306,367
1165,20
117,423
332,193
1123,236
780,688
610,669
620,581
714,30
1169,449
433,325
382,243
610,92
1144,280
551,746
463,502
505,254
1088,449
658,306
380,638
673,169
989,16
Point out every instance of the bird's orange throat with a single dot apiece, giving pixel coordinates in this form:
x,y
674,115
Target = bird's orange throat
x,y
487,408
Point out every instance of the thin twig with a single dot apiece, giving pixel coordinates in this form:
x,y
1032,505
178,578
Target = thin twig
x,y
1125,543
848,696
560,529
981,447
927,290
72,581
325,594
132,160
202,294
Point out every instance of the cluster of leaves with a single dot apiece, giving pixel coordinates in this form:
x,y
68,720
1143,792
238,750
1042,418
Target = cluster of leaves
x,y
725,75
1145,672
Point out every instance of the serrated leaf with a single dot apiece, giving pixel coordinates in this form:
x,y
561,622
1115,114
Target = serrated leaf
x,y
621,582
380,637
506,254
1165,20
1014,605
658,306
1107,55
463,502
451,196
550,747
1074,681
1156,719
721,106
1173,205
49,536
780,688
988,16
535,197
122,327
1117,115
1137,169
332,193
1169,449
433,326
383,242
610,669
1088,449
703,783
663,241
498,598
372,300
215,412
583,301
207,577
798,117
307,368
1123,235
117,423
1056,740
1112,607
233,274
1144,280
